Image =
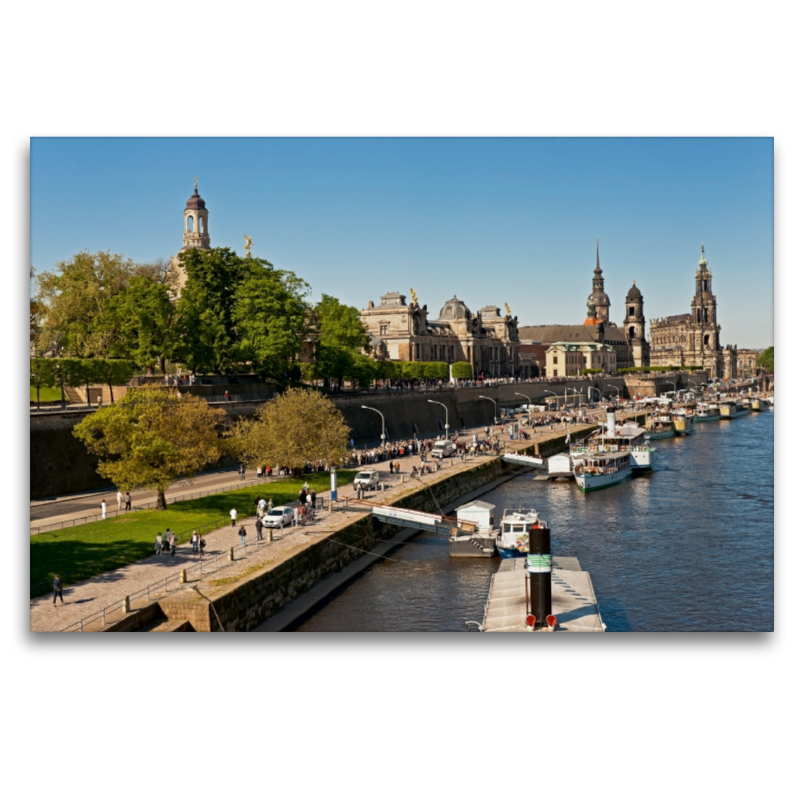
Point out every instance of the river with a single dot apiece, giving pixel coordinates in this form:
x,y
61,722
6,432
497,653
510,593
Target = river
x,y
687,548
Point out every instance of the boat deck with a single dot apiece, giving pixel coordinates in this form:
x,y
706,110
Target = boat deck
x,y
574,602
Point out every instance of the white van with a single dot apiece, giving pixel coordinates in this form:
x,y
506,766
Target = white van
x,y
368,479
443,448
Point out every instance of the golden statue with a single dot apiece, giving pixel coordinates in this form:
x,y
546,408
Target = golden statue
x,y
508,310
247,242
195,185
414,297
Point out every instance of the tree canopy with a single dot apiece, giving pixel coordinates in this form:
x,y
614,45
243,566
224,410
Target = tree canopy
x,y
767,360
151,437
295,428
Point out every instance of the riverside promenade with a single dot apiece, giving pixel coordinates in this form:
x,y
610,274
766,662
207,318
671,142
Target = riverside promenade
x,y
108,590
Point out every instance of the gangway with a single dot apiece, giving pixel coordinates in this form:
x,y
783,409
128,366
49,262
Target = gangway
x,y
525,461
418,520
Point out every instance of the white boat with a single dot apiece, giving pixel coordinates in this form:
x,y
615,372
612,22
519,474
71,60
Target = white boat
x,y
683,422
659,426
515,527
613,438
601,470
708,412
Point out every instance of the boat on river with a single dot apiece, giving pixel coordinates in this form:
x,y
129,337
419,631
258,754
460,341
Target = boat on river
x,y
613,438
756,404
513,538
683,422
659,426
707,412
601,470
729,409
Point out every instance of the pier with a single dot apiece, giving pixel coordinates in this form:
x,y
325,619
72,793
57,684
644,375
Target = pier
x,y
573,600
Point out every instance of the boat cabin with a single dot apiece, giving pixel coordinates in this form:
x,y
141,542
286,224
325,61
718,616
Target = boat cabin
x,y
478,513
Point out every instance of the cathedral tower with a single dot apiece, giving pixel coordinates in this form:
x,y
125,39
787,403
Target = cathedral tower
x,y
634,327
598,297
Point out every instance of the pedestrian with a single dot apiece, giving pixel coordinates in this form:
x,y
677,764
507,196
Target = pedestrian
x,y
258,473
58,590
233,517
173,540
127,501
302,496
259,526
296,517
159,546
305,486
195,542
103,508
313,498
119,500
391,467
269,505
242,535
241,473
202,546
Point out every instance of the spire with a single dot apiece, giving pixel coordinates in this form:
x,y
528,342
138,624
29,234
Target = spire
x,y
703,262
195,185
597,267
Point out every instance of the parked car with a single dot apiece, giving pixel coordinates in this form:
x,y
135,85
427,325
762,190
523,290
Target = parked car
x,y
278,517
368,479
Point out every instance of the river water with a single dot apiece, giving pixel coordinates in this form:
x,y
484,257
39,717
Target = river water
x,y
687,548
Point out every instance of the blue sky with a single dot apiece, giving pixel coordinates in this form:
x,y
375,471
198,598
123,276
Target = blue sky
x,y
491,220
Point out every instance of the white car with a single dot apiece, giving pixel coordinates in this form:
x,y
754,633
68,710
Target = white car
x,y
278,517
368,479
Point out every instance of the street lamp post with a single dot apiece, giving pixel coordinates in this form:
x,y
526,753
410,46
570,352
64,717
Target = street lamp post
x,y
593,388
484,397
446,417
547,391
383,425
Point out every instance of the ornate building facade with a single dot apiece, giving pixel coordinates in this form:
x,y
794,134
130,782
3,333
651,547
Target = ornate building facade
x,y
402,331
692,339
628,342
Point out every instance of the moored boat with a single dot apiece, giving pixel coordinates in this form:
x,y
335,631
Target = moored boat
x,y
682,422
708,412
756,405
613,438
659,426
601,470
515,527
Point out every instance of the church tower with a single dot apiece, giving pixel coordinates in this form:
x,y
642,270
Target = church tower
x,y
195,223
598,297
634,327
195,234
705,330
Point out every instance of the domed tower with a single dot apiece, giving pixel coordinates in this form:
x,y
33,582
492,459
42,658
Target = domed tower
x,y
195,223
598,297
634,327
707,349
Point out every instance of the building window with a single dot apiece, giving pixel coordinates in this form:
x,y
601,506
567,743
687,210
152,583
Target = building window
x,y
416,352
555,359
631,311
384,329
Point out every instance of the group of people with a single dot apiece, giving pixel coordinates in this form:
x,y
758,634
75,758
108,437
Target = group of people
x,y
168,543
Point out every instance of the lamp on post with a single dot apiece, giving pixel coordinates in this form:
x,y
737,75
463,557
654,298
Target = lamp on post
x,y
547,391
530,402
593,388
484,397
383,425
446,418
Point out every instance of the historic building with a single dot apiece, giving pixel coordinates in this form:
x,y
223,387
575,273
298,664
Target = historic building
x,y
567,358
401,331
195,234
692,339
747,363
628,342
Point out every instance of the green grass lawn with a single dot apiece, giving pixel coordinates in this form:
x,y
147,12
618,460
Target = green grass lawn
x,y
86,550
47,394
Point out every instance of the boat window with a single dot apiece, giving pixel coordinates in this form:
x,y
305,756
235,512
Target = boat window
x,y
519,528
506,528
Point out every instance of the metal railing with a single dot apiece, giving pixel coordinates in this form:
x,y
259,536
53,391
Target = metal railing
x,y
71,523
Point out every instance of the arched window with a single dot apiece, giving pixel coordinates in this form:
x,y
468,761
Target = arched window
x,y
631,311
631,332
705,340
190,223
201,225
705,315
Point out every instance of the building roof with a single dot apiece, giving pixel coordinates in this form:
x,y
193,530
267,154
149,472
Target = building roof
x,y
477,504
633,292
195,201
454,309
547,334
678,318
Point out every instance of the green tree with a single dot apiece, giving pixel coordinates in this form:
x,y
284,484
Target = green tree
x,y
341,336
67,372
295,428
42,374
144,316
151,437
270,317
462,370
113,372
766,360
75,304
206,334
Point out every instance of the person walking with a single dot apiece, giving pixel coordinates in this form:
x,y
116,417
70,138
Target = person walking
x,y
241,473
259,527
269,505
173,540
296,517
119,500
195,542
233,517
159,546
103,508
313,498
202,546
127,501
242,535
305,486
58,590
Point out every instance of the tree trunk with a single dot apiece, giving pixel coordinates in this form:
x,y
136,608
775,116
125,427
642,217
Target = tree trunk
x,y
63,398
88,397
162,364
161,503
38,407
111,392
